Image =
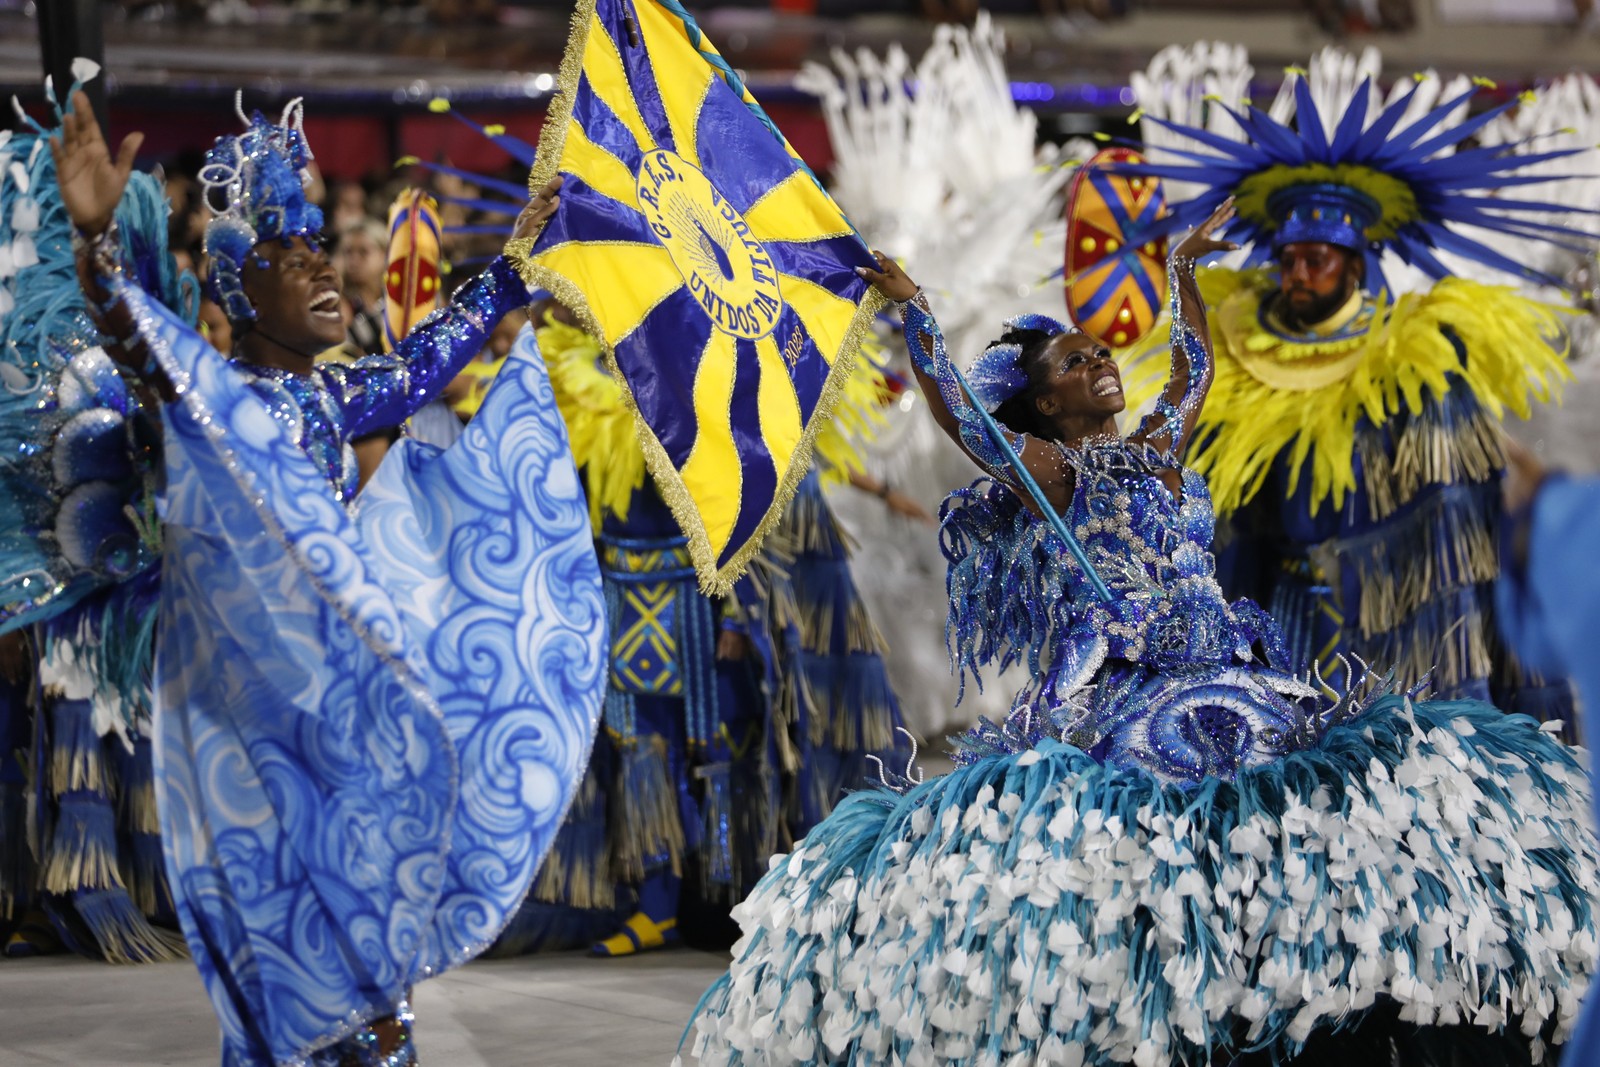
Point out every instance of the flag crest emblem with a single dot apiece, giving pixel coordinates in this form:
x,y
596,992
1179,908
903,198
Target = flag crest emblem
x,y
716,272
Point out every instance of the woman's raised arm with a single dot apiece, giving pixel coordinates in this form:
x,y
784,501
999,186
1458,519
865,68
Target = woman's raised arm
x,y
1172,422
951,407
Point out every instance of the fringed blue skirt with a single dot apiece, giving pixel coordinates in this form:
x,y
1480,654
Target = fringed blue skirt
x,y
1042,908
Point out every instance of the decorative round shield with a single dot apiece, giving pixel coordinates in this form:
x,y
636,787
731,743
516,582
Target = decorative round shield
x,y
411,283
1116,278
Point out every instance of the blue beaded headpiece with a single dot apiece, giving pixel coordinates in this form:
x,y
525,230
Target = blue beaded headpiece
x,y
1335,214
1371,181
995,376
256,184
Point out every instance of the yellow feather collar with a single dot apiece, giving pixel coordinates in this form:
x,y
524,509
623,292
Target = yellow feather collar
x,y
1251,334
605,442
1275,396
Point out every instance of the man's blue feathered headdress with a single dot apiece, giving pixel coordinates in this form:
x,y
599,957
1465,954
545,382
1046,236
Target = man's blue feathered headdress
x,y
1370,185
256,183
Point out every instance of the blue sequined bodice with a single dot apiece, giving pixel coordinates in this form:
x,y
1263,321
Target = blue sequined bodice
x,y
303,404
1156,672
1167,676
335,402
1153,551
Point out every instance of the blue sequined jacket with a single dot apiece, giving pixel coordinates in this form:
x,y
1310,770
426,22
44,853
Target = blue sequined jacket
x,y
337,402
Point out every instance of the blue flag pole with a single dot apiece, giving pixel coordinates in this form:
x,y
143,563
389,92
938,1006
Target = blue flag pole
x,y
998,436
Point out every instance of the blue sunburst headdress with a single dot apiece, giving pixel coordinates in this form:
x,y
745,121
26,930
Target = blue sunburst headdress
x,y
1372,184
256,184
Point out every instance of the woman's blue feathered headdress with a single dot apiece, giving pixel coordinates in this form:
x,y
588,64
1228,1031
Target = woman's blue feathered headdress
x,y
1367,182
995,375
256,185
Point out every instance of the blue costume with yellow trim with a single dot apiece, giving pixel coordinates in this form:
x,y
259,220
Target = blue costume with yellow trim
x,y
718,278
1357,459
679,719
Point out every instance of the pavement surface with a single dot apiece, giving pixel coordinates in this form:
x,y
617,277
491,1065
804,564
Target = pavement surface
x,y
563,1010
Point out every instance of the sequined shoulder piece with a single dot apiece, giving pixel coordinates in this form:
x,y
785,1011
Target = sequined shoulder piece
x,y
1107,453
1007,578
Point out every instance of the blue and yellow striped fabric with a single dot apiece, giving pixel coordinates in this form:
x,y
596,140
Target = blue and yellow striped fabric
x,y
647,578
718,274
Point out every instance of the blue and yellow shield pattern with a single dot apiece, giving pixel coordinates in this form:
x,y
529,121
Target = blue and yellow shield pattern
x,y
1116,278
646,615
411,289
718,274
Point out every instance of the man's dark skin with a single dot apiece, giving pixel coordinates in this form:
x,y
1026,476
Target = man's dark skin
x,y
290,283
296,297
1316,280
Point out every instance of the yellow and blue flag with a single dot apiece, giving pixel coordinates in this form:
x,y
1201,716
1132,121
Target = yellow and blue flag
x,y
717,273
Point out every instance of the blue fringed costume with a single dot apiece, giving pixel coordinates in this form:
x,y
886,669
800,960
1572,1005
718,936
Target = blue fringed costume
x,y
79,576
371,713
1174,850
733,721
705,763
828,674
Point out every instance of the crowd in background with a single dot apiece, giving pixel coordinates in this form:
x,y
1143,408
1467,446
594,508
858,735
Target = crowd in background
x,y
1331,15
1337,17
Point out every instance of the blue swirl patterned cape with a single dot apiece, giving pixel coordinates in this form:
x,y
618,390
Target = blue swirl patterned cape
x,y
371,713
1173,850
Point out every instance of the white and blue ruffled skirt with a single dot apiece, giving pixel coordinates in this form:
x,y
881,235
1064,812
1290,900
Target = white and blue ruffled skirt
x,y
1432,864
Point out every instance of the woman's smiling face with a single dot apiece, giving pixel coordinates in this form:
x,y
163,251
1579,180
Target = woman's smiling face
x,y
1083,380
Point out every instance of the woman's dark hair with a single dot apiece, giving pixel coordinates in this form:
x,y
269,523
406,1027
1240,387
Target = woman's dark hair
x,y
1021,413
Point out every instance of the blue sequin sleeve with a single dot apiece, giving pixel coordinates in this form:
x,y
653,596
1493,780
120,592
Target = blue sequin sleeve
x,y
378,392
929,355
1170,423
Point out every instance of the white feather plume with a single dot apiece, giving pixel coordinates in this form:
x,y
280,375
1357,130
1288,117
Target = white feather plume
x,y
937,165
1180,85
1564,115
